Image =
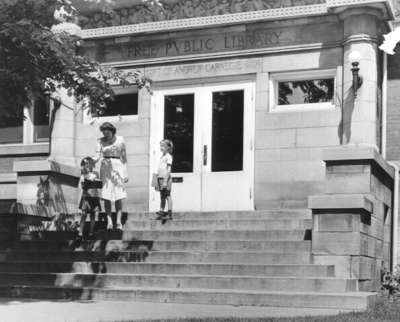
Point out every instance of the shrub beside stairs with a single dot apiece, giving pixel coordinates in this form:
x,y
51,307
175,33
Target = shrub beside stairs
x,y
258,258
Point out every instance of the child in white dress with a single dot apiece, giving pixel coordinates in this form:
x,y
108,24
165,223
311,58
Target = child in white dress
x,y
164,179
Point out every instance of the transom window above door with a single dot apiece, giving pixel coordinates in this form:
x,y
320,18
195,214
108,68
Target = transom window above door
x,y
302,90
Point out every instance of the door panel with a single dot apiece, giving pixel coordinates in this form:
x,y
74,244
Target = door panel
x,y
174,117
212,131
227,180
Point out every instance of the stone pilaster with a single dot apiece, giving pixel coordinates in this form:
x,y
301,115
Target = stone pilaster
x,y
360,121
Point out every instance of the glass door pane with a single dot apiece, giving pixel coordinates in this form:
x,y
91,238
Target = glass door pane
x,y
178,127
227,131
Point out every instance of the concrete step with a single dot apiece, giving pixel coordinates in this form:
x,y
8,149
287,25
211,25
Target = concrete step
x,y
302,270
350,300
265,283
244,224
229,257
193,245
273,214
257,257
196,234
233,245
228,215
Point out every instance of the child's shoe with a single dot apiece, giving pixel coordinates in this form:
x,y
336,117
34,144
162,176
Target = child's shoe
x,y
119,226
168,215
160,215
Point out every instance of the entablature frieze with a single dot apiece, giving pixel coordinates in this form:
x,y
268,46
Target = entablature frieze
x,y
191,14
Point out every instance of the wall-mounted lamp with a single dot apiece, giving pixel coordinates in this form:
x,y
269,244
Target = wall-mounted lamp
x,y
354,59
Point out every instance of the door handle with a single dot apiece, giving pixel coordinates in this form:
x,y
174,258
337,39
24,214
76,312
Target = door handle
x,y
205,155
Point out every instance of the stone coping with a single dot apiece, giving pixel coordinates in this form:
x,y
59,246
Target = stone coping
x,y
24,149
8,177
340,201
347,152
46,166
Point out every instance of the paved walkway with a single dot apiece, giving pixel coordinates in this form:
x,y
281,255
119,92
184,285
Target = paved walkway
x,y
59,311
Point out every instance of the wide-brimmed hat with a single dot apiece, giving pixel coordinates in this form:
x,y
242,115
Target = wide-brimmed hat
x,y
108,126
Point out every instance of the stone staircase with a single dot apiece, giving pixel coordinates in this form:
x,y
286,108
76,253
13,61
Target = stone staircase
x,y
235,258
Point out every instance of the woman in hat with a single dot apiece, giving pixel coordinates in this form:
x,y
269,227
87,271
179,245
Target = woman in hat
x,y
111,151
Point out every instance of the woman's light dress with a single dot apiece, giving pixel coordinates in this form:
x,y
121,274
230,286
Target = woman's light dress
x,y
113,169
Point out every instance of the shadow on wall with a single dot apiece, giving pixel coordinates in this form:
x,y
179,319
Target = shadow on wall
x,y
347,107
344,99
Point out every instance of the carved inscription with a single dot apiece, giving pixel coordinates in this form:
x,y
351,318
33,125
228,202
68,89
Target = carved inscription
x,y
181,9
190,46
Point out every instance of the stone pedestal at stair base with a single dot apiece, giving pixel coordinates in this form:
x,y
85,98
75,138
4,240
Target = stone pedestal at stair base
x,y
352,220
47,183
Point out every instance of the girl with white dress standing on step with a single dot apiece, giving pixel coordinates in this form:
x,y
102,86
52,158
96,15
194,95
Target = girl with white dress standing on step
x,y
111,152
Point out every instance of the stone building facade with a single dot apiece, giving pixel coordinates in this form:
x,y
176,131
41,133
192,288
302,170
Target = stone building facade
x,y
258,97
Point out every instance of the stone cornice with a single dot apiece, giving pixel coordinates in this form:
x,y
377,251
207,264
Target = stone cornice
x,y
241,17
134,12
352,3
182,24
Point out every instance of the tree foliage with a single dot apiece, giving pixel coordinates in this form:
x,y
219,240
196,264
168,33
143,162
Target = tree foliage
x,y
35,61
314,91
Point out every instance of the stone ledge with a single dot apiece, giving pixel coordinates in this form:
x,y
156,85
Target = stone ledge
x,y
8,177
46,166
24,149
347,152
340,201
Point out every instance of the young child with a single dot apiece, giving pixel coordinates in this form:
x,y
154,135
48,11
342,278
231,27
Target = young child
x,y
89,201
164,179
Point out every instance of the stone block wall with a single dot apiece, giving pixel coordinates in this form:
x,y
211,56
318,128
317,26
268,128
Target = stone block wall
x,y
393,108
288,144
49,184
352,219
8,179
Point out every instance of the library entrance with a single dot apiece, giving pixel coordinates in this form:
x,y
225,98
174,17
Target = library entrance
x,y
212,129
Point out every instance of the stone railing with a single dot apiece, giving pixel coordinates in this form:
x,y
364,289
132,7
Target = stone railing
x,y
352,221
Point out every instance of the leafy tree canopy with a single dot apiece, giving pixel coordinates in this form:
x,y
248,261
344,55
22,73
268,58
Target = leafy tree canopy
x,y
35,60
